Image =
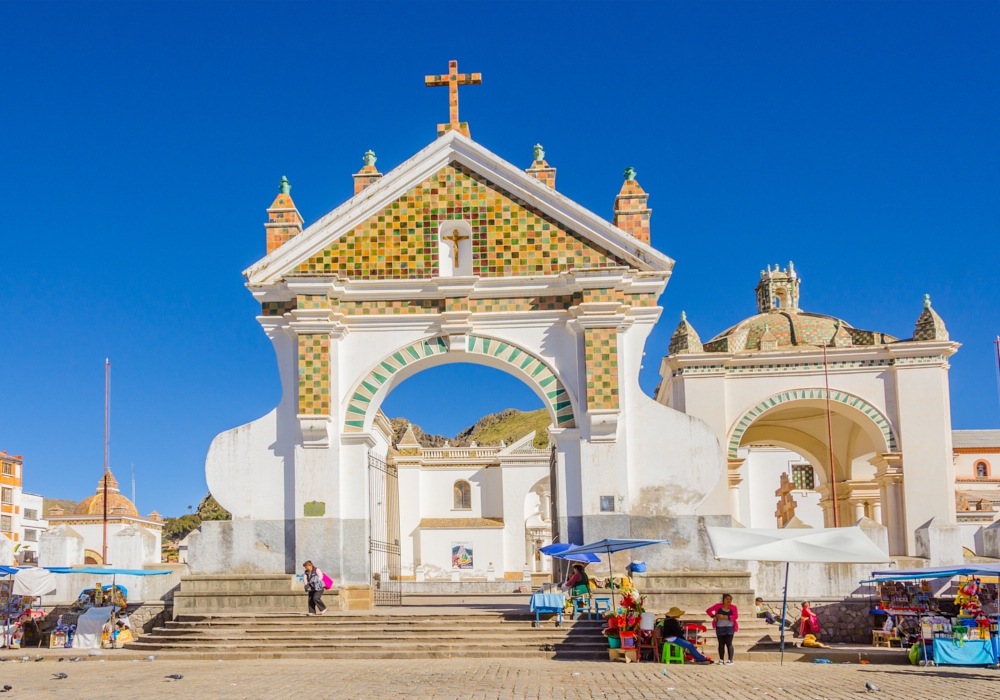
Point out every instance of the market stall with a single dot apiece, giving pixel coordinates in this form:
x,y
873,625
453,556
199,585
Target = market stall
x,y
944,630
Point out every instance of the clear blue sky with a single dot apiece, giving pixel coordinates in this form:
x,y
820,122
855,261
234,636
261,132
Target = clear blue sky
x,y
140,144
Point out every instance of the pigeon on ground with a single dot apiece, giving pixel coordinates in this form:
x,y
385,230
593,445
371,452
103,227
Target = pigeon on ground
x,y
7,689
39,658
25,658
77,658
175,676
871,687
60,676
151,657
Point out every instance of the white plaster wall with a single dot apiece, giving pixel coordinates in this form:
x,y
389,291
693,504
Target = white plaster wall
x,y
59,546
675,460
965,468
437,492
245,472
487,546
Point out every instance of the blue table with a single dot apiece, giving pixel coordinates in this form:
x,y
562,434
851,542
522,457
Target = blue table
x,y
974,652
547,603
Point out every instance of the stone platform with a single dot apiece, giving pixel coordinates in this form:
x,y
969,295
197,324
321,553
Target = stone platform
x,y
239,593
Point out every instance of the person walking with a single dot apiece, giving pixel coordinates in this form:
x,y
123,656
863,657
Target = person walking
x,y
314,587
673,633
724,619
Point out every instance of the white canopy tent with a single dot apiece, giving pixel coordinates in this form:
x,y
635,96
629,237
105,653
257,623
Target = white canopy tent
x,y
839,545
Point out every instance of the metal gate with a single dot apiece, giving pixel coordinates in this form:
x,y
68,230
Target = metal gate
x,y
383,531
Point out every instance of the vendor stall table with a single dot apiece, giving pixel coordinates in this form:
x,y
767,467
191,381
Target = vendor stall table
x,y
972,652
547,603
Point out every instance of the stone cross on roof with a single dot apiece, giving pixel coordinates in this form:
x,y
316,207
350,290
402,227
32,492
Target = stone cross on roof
x,y
453,79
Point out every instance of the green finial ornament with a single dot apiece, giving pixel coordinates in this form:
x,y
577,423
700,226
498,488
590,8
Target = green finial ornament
x,y
684,317
927,301
284,187
370,158
539,152
630,173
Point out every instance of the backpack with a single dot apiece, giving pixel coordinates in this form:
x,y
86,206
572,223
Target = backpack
x,y
327,581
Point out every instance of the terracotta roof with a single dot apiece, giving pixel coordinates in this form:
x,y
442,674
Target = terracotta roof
x,y
975,438
117,503
460,523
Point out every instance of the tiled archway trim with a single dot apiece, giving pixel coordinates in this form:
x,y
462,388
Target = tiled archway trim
x,y
856,402
528,367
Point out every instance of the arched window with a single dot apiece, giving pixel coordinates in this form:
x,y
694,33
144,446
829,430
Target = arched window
x,y
982,469
463,495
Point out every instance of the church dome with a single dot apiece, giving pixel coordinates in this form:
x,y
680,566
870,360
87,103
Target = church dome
x,y
117,503
781,324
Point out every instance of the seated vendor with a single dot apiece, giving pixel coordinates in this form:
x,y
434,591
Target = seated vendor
x,y
767,615
673,633
578,583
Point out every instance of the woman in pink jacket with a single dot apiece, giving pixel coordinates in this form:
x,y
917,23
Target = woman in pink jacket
x,y
724,616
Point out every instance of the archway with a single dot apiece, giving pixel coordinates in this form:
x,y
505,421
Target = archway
x,y
480,489
364,401
797,421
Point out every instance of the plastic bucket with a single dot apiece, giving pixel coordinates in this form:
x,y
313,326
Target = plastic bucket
x,y
647,621
614,643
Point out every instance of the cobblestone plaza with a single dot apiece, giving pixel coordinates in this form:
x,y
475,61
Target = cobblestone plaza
x,y
483,680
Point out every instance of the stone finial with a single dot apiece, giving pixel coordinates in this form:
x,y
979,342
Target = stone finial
x,y
540,170
283,219
841,336
929,326
768,340
368,175
632,213
685,339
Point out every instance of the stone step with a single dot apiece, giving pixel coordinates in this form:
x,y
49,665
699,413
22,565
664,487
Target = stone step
x,y
371,645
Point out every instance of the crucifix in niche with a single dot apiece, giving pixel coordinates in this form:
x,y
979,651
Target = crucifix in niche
x,y
455,238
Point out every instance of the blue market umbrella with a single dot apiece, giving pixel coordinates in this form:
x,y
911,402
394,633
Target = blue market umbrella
x,y
612,545
560,550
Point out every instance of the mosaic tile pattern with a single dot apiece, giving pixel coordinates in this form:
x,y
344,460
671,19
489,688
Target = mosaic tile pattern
x,y
283,222
788,329
392,308
601,354
518,304
543,172
527,366
599,295
276,308
312,301
510,238
786,397
631,211
314,374
929,326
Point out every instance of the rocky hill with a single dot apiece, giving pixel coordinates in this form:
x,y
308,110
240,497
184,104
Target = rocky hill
x,y
508,425
48,503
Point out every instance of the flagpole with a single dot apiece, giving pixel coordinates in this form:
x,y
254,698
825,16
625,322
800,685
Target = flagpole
x,y
107,416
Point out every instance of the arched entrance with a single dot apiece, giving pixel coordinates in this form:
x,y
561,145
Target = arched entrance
x,y
797,421
389,371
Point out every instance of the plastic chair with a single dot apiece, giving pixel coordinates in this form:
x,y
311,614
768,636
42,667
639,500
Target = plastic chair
x,y
581,604
601,604
672,654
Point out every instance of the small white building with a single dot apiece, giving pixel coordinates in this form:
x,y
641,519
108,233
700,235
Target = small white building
x,y
31,526
77,538
471,509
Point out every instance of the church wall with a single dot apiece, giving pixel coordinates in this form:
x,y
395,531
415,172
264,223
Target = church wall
x,y
925,441
436,547
410,506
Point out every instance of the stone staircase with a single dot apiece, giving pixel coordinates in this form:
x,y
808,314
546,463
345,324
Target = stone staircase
x,y
415,634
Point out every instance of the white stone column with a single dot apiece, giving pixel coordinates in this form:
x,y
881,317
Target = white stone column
x,y
735,479
889,477
877,512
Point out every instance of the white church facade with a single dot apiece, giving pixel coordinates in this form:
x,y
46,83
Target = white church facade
x,y
873,406
457,255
